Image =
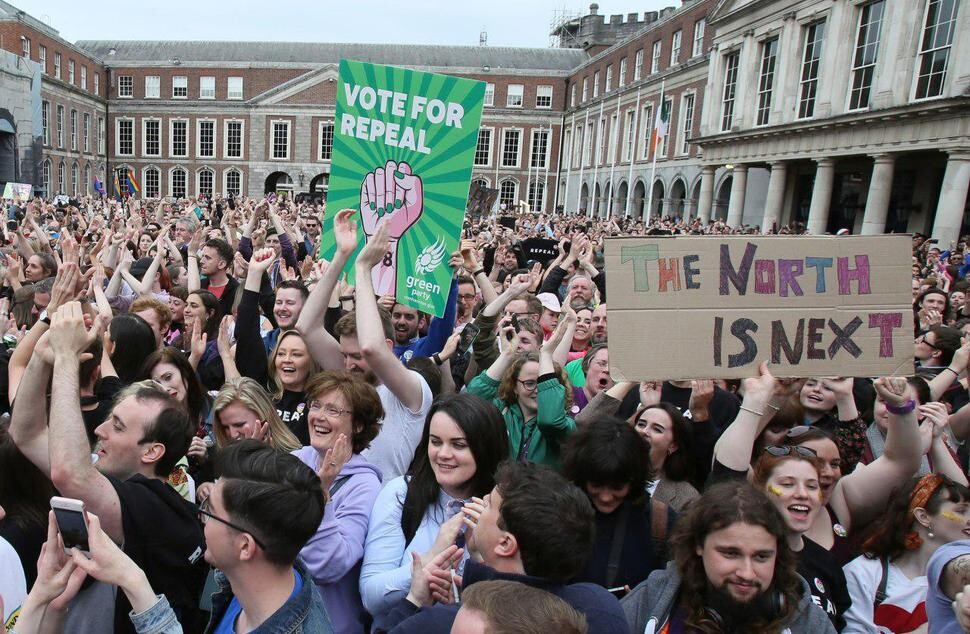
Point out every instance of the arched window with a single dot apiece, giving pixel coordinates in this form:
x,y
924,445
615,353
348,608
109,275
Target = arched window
x,y
75,175
205,182
507,193
88,182
233,182
60,177
151,183
177,183
46,177
537,196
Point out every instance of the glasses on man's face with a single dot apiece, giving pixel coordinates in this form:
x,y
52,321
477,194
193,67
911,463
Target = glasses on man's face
x,y
790,450
529,385
466,297
923,339
205,516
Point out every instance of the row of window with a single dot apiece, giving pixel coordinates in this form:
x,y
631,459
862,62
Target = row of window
x,y
511,148
79,138
81,180
656,62
177,185
206,138
515,96
508,189
931,68
180,87
594,143
71,66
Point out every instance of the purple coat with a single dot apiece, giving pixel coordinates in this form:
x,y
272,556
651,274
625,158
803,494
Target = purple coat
x,y
333,555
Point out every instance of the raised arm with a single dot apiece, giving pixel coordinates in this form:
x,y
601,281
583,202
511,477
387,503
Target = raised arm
x,y
321,343
733,449
194,282
71,469
471,263
376,348
863,494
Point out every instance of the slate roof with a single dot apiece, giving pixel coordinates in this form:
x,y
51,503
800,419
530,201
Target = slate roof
x,y
509,58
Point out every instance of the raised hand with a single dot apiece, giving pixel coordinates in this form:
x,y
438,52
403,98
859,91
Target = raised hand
x,y
345,231
891,389
650,393
333,461
262,260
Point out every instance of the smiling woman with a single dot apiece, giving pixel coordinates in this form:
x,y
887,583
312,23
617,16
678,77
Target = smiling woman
x,y
463,442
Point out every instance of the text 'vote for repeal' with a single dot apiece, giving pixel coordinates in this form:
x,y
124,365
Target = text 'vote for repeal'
x,y
685,307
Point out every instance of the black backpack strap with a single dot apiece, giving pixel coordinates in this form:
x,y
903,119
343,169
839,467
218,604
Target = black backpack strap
x,y
881,591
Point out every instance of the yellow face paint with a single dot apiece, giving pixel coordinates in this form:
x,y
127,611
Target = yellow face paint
x,y
772,489
953,517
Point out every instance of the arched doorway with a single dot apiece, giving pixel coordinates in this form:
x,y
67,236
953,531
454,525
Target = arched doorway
x,y
583,198
639,194
722,200
279,182
694,199
621,193
597,201
657,205
678,195
320,183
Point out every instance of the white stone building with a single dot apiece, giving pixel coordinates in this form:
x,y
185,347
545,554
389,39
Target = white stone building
x,y
859,111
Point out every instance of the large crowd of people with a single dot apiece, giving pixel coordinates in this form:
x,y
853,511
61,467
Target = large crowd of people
x,y
261,447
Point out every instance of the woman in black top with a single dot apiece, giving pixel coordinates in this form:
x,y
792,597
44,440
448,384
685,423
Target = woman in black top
x,y
290,365
610,462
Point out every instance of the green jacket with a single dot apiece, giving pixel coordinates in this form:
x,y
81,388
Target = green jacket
x,y
541,436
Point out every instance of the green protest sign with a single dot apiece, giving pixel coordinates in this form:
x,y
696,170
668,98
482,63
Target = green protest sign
x,y
403,147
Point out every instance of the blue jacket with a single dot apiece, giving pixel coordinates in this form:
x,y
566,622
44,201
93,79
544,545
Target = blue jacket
x,y
601,609
305,614
438,331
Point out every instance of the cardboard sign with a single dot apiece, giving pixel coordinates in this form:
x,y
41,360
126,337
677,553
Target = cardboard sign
x,y
404,143
480,200
683,307
18,191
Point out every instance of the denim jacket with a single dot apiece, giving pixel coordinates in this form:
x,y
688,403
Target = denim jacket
x,y
304,614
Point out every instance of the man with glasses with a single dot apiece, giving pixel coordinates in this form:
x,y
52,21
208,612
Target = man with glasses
x,y
138,446
253,537
935,348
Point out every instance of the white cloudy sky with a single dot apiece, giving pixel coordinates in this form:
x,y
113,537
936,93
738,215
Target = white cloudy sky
x,y
508,22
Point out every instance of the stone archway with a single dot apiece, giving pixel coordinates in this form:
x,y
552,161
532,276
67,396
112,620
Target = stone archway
x,y
319,183
722,199
278,182
678,196
621,193
657,204
583,199
639,196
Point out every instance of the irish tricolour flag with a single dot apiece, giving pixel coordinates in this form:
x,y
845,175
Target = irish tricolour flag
x,y
661,122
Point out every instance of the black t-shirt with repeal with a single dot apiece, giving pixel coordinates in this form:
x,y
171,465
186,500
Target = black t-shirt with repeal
x,y
292,408
164,537
826,581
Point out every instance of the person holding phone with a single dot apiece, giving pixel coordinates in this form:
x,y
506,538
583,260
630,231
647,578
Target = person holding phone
x,y
139,444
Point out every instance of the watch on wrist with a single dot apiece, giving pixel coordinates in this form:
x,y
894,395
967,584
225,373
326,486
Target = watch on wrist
x,y
44,317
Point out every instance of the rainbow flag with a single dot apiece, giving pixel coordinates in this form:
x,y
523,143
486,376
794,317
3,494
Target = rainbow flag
x,y
117,185
99,187
133,187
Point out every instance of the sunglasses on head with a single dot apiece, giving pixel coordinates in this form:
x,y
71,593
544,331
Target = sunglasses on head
x,y
788,450
797,431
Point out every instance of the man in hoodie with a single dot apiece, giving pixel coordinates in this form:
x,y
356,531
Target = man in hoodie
x,y
535,528
732,570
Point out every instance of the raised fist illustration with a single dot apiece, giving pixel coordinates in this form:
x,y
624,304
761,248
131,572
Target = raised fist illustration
x,y
391,194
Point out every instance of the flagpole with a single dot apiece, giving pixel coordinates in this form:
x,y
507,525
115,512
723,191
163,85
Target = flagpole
x,y
548,159
528,178
655,143
633,151
582,159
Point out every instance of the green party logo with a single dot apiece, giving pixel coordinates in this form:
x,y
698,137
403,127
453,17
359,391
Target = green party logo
x,y
403,150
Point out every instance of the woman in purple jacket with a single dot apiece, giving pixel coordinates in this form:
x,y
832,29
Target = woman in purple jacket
x,y
344,416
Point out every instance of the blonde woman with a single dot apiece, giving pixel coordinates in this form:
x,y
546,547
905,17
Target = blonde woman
x,y
243,409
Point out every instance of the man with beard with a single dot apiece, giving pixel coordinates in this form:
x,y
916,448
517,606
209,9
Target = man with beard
x,y
732,572
408,323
